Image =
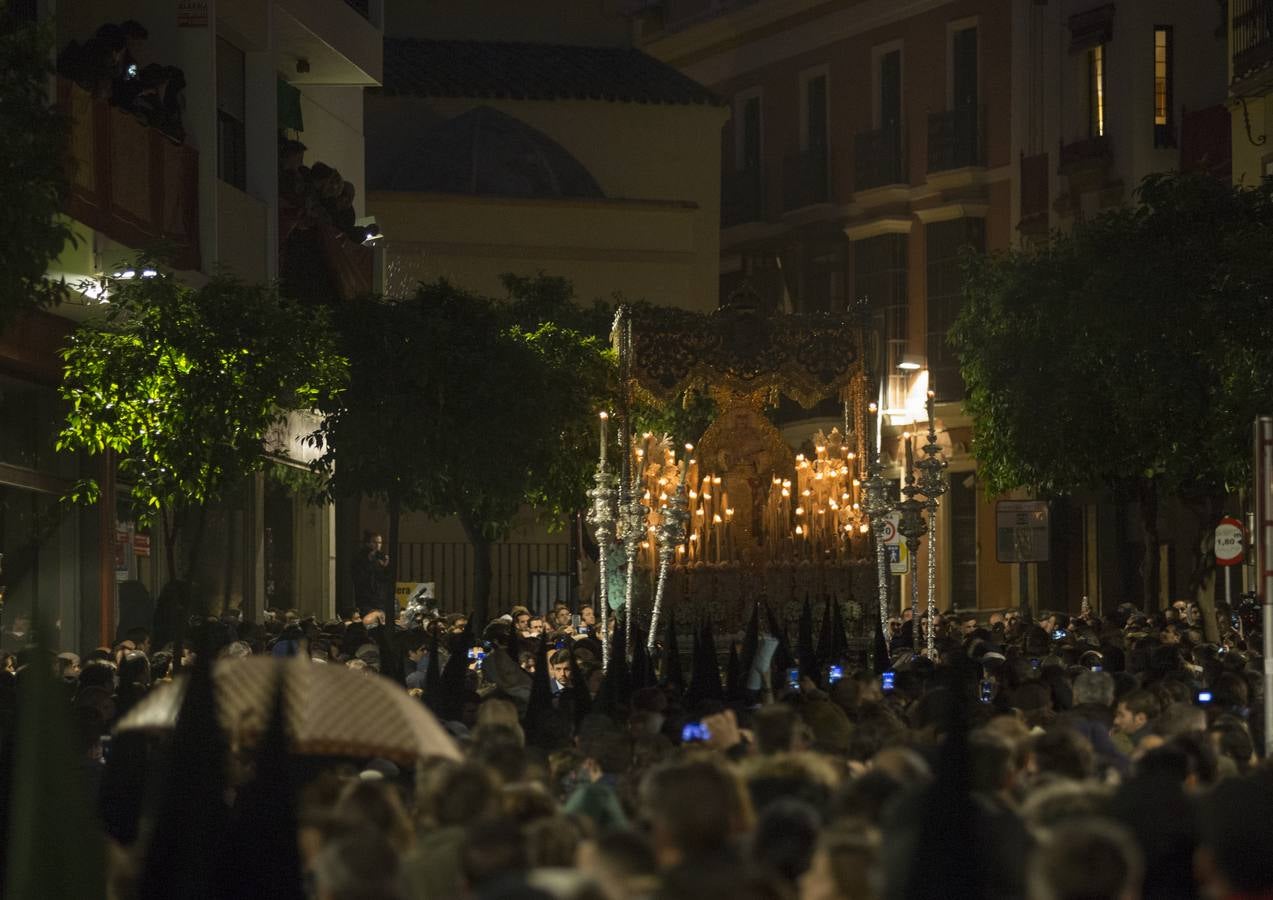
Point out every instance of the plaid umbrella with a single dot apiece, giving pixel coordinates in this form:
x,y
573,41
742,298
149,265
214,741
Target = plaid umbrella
x,y
332,710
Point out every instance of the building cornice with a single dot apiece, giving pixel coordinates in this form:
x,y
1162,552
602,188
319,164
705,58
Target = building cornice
x,y
763,34
895,224
948,211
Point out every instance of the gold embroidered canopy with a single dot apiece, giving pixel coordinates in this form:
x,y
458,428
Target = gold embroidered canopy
x,y
740,350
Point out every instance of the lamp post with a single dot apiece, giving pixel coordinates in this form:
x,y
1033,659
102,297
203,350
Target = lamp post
x,y
932,484
630,534
912,527
877,507
670,534
602,518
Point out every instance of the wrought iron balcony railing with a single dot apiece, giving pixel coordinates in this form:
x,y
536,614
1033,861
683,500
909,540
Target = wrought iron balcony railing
x,y
130,182
1252,39
806,178
742,197
955,139
879,158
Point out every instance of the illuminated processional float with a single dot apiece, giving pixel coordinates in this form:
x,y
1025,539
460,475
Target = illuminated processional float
x,y
706,529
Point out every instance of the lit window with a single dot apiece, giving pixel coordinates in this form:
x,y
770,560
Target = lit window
x,y
1163,88
1160,76
1096,72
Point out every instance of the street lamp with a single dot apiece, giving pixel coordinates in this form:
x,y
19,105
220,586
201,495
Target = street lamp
x,y
912,527
932,483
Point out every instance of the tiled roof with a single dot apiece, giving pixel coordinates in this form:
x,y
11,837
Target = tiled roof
x,y
523,71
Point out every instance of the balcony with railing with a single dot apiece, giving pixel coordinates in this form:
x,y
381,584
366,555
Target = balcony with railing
x,y
879,158
1084,154
1206,141
806,179
742,197
955,139
132,183
1251,39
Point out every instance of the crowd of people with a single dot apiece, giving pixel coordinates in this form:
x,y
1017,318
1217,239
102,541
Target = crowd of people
x,y
317,195
1090,756
108,66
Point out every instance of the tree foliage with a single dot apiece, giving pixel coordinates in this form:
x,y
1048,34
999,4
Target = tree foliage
x,y
1137,346
185,384
1129,354
547,298
463,405
33,178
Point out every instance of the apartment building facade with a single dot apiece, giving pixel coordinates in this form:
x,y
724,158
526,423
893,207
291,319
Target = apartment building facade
x,y
1249,33
873,141
208,199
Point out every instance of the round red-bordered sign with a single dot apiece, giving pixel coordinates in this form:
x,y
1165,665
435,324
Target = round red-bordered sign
x,y
1230,542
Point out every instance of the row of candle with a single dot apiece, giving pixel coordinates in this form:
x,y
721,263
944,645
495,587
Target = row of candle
x,y
817,516
658,475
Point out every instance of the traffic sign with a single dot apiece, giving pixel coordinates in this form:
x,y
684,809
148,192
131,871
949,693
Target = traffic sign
x,y
1230,542
888,530
1022,531
899,560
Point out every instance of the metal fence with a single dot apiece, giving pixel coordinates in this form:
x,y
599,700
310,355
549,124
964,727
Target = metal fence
x,y
537,575
1252,40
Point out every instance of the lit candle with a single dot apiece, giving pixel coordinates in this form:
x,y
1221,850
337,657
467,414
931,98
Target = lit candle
x,y
605,422
932,396
685,465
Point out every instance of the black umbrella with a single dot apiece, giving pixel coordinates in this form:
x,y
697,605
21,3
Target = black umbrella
x,y
185,852
433,676
808,657
54,841
672,671
707,669
751,641
642,668
882,661
733,677
824,633
839,639
616,686
944,825
541,694
453,684
262,839
580,699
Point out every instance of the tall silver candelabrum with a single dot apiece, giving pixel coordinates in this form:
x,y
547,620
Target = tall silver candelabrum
x,y
932,484
602,519
878,506
631,533
670,534
912,527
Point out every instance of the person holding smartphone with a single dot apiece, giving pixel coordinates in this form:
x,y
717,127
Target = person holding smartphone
x,y
370,572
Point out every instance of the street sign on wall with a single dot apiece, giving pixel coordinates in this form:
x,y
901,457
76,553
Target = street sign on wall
x,y
899,560
1022,531
1230,542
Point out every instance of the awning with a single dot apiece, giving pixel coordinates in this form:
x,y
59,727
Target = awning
x,y
289,107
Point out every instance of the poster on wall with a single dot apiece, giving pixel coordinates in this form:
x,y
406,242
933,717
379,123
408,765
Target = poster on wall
x,y
123,553
192,13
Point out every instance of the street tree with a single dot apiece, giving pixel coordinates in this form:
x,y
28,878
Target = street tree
x,y
467,406
183,385
33,179
547,298
1129,354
